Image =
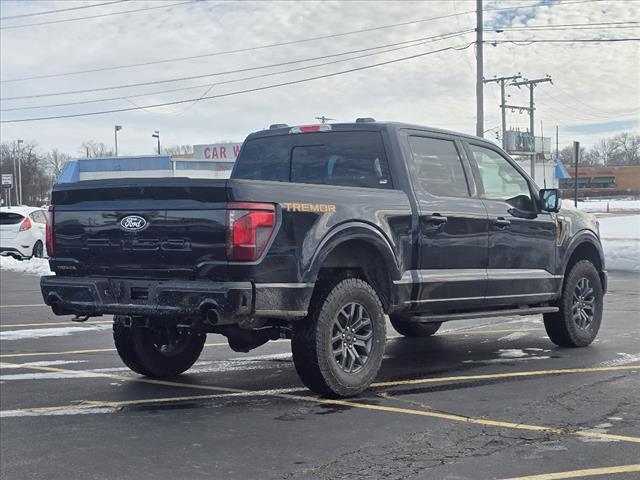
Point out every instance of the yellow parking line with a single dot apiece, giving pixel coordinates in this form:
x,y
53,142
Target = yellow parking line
x,y
491,376
348,403
582,473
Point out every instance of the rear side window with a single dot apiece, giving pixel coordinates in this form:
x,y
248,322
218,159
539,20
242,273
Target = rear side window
x,y
8,218
264,159
353,159
438,168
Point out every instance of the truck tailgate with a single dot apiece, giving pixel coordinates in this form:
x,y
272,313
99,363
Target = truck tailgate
x,y
167,226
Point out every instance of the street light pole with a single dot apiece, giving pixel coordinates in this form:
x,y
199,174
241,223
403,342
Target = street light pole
x,y
19,179
156,134
115,133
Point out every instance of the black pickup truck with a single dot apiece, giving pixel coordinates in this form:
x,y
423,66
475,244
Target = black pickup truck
x,y
321,231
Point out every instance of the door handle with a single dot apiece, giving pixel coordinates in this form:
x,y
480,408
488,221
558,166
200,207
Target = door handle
x,y
501,223
437,220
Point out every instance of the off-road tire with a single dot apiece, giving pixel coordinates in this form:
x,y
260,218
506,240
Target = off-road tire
x,y
560,326
312,346
136,348
413,329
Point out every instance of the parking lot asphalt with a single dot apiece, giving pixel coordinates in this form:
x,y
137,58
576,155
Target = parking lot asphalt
x,y
482,399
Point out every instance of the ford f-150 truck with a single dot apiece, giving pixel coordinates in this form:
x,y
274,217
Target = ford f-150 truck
x,y
319,233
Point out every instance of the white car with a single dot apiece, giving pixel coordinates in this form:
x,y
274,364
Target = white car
x,y
23,231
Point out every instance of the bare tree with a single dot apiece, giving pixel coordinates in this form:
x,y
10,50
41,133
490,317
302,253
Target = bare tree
x,y
56,161
628,149
93,149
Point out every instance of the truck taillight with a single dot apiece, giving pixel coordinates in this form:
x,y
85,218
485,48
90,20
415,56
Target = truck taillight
x,y
249,229
26,224
50,239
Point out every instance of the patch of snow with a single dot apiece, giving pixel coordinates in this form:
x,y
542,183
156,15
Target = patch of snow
x,y
33,266
58,411
621,242
50,375
43,364
625,359
615,205
49,332
511,353
513,336
615,419
494,361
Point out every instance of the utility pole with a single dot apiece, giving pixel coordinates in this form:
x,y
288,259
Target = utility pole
x,y
501,81
19,179
479,72
532,84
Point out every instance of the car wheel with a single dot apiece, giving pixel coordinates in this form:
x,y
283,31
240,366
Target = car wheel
x,y
338,348
38,250
158,350
578,321
413,329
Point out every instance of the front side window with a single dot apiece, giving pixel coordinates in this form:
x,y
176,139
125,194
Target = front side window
x,y
437,167
501,180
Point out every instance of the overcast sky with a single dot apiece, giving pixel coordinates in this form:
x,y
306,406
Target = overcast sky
x,y
595,91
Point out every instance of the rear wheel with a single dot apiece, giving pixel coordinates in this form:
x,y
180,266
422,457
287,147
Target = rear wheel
x,y
338,348
578,321
413,329
158,351
38,250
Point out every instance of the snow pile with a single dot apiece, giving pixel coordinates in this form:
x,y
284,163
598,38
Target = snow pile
x,y
621,242
615,205
34,266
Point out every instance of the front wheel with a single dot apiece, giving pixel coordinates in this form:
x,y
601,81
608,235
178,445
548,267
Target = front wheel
x,y
578,321
158,350
338,348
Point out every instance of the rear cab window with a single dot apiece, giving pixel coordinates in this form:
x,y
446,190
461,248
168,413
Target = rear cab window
x,y
342,158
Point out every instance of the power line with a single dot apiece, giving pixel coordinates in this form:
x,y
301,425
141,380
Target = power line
x,y
526,42
48,12
269,74
443,36
594,108
279,44
591,24
65,20
238,50
239,92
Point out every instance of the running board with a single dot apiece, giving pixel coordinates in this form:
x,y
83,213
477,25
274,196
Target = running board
x,y
482,314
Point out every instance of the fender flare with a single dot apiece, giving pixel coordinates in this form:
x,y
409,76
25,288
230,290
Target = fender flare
x,y
344,233
581,237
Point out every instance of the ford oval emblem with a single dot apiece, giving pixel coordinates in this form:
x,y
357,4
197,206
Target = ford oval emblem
x,y
133,223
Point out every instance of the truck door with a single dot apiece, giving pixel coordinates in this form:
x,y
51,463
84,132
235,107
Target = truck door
x,y
522,239
453,227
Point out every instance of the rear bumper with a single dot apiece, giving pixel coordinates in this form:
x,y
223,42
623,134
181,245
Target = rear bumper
x,y
15,252
232,301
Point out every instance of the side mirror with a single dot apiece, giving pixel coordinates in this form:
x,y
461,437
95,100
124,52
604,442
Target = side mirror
x,y
550,199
